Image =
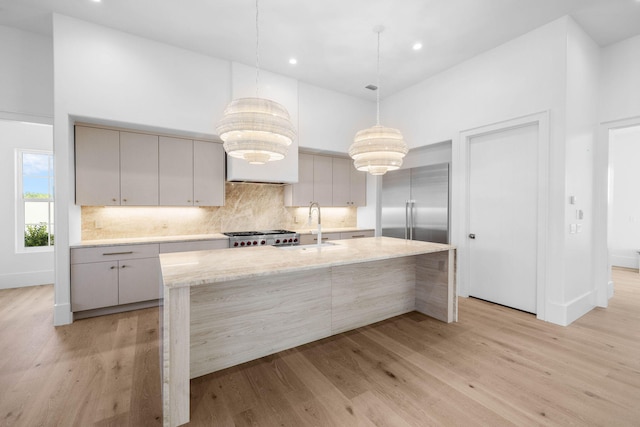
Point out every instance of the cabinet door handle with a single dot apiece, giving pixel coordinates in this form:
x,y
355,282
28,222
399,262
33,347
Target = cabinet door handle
x,y
358,236
197,201
118,253
124,200
114,200
123,266
112,267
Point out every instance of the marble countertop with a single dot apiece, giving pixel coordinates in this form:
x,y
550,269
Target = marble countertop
x,y
313,230
221,265
143,240
191,237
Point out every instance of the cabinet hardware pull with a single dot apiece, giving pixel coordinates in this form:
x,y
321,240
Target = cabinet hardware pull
x,y
359,235
188,201
118,253
197,201
123,266
113,200
124,200
112,267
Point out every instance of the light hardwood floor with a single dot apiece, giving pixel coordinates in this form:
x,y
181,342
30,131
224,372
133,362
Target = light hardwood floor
x,y
496,366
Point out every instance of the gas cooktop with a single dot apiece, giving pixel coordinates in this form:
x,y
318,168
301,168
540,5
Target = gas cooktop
x,y
257,233
238,239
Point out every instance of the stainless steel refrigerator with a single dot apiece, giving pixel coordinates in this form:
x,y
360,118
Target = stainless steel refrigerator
x,y
415,203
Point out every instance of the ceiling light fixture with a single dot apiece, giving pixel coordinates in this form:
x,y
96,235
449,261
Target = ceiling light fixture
x,y
417,46
293,61
378,149
257,130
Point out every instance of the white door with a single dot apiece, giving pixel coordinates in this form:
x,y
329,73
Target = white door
x,y
503,217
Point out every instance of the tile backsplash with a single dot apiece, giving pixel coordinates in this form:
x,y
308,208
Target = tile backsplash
x,y
247,206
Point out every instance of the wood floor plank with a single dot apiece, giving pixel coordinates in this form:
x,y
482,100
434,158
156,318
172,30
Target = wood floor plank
x,y
496,366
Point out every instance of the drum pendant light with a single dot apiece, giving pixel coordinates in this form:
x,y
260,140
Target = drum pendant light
x,y
257,130
378,149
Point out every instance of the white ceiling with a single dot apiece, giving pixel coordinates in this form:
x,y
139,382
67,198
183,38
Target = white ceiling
x,y
333,40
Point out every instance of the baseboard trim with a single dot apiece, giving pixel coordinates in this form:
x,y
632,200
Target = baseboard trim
x,y
609,290
567,313
62,314
24,279
116,309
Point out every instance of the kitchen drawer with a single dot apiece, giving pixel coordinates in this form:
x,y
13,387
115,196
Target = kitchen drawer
x,y
357,234
200,245
109,253
309,239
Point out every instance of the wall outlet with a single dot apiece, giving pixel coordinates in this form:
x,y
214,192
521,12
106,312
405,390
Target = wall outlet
x,y
573,228
97,224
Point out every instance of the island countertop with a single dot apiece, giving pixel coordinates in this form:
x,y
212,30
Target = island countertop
x,y
190,269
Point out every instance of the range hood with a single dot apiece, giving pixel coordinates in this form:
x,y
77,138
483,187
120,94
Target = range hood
x,y
283,171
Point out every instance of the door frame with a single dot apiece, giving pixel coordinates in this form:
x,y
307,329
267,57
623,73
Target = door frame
x,y
460,201
602,209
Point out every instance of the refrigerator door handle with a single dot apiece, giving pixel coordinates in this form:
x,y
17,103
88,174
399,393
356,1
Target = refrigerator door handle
x,y
412,211
406,219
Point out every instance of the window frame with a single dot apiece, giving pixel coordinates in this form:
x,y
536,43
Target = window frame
x,y
20,225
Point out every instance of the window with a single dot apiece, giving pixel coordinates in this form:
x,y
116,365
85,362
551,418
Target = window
x,y
35,200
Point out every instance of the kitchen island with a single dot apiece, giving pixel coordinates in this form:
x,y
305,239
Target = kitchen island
x,y
228,306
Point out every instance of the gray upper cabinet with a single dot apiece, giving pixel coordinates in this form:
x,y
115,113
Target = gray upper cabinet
x,y
188,173
349,184
301,193
176,172
328,180
97,166
115,167
138,169
323,180
208,174
341,182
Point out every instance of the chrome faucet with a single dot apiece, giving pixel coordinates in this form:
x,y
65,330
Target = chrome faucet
x,y
316,206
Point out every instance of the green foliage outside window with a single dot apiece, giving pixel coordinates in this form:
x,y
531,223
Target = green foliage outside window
x,y
37,235
32,195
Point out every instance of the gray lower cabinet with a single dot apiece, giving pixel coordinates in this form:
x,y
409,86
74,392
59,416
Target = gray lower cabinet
x,y
357,234
201,245
108,276
309,239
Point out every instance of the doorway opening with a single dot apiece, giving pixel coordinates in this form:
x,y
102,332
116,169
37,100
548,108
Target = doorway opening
x,y
624,199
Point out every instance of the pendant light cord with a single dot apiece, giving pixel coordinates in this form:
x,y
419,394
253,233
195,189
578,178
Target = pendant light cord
x,y
378,83
257,49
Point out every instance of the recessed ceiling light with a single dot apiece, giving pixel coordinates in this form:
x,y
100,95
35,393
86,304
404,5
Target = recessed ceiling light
x,y
97,1
293,61
417,46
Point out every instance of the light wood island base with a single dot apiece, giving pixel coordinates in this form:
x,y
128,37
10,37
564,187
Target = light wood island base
x,y
230,306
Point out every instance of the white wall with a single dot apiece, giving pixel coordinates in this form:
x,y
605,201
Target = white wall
x,y
624,237
106,76
329,120
522,76
620,84
19,269
554,68
26,76
583,74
